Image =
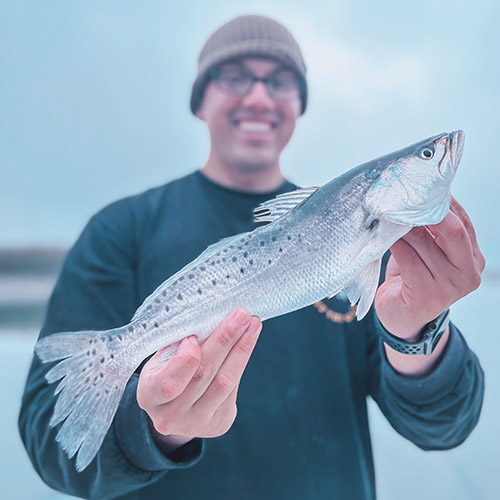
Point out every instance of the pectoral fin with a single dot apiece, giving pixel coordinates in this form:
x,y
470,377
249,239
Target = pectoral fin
x,y
362,288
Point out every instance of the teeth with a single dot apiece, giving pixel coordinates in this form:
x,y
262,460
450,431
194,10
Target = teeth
x,y
255,126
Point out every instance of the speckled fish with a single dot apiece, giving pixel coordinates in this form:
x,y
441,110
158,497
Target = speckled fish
x,y
319,241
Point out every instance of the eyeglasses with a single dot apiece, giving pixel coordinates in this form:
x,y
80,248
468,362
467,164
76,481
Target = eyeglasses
x,y
281,85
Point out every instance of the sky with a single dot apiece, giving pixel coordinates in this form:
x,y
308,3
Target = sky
x,y
94,99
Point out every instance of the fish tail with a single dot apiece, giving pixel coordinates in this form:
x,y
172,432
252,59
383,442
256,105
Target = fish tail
x,y
91,386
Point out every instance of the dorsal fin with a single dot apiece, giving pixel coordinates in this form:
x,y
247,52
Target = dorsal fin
x,y
208,252
273,209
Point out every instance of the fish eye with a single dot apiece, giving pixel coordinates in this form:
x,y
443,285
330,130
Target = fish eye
x,y
426,154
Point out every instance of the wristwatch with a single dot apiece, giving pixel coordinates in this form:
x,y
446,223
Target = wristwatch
x,y
431,333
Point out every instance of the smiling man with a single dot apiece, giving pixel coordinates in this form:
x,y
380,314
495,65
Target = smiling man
x,y
300,392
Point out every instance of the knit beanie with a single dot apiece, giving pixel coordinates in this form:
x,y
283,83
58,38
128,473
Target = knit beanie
x,y
248,36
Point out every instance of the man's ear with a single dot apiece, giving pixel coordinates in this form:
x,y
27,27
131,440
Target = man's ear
x,y
200,113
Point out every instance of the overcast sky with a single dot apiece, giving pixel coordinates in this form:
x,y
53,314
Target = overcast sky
x,y
94,99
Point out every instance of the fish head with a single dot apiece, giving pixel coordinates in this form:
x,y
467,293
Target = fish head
x,y
412,186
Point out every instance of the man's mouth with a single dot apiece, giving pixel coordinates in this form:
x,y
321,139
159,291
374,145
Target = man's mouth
x,y
255,127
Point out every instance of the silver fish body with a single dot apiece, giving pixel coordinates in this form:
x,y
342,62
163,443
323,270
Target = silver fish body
x,y
320,241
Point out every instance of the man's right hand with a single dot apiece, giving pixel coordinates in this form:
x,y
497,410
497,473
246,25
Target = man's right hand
x,y
194,394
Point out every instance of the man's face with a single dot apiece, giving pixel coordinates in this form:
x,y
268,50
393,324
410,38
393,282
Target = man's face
x,y
249,132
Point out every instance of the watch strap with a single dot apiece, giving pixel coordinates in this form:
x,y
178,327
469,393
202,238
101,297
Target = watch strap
x,y
431,333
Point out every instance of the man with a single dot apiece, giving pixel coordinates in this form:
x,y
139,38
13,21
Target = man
x,y
302,429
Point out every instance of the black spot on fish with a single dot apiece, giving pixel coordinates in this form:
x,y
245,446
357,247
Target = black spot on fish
x,y
223,259
288,237
199,291
131,329
144,325
156,325
157,301
102,359
164,293
106,391
273,238
269,261
181,278
242,270
101,375
240,248
88,353
262,243
179,297
112,356
227,276
202,268
246,242
120,337
214,282
191,276
280,249
213,263
91,364
87,380
93,352
245,255
250,262
167,308
150,307
234,259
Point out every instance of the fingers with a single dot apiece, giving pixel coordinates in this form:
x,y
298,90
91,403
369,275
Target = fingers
x,y
412,254
462,214
221,343
195,393
228,376
444,256
166,382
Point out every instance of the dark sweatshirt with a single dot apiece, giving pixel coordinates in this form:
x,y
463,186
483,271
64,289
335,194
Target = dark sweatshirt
x,y
302,425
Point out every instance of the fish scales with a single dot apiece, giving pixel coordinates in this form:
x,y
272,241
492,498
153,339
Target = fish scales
x,y
319,241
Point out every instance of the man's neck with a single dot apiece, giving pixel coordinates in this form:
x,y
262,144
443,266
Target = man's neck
x,y
251,181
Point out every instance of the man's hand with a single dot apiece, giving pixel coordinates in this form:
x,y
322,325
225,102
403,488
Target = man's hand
x,y
430,269
194,395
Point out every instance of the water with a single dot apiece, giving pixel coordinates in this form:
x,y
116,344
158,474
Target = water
x,y
403,470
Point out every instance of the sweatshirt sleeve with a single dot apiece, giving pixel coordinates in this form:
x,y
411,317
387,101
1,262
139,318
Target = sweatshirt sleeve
x,y
437,411
96,290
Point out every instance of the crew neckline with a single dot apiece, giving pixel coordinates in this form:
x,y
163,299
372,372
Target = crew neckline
x,y
285,186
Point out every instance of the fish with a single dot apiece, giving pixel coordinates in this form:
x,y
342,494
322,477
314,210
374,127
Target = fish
x,y
317,242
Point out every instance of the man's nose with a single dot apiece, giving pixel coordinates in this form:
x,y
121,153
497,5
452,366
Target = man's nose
x,y
258,96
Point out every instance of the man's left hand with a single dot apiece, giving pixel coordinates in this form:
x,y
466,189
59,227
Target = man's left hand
x,y
430,268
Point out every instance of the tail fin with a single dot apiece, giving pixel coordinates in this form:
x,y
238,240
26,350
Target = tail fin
x,y
90,388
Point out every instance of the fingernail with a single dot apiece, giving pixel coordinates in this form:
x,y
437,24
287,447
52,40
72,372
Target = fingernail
x,y
193,339
241,317
254,325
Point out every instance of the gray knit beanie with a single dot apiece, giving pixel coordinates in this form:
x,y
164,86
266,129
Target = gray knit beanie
x,y
248,36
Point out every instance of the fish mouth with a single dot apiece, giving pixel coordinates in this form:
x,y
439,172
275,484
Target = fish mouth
x,y
454,145
457,140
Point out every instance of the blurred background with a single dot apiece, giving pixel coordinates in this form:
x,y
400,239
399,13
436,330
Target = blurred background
x,y
94,106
